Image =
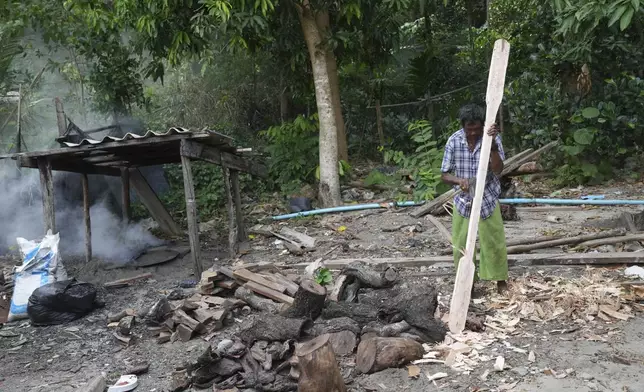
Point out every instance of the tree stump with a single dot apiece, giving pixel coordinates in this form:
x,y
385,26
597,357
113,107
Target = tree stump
x,y
308,301
377,354
319,370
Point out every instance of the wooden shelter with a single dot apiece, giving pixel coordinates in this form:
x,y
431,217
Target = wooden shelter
x,y
122,157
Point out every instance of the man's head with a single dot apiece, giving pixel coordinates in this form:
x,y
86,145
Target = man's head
x,y
472,119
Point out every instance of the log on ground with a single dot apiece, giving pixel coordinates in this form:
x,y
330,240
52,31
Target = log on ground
x,y
360,313
319,370
377,354
256,302
308,301
339,324
368,277
564,241
271,328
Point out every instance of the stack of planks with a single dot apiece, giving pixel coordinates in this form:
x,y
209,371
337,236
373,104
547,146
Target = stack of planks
x,y
270,285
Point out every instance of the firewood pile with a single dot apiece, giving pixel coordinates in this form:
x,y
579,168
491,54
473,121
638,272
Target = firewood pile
x,y
295,330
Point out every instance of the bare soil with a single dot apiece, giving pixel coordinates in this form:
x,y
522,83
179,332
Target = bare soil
x,y
66,357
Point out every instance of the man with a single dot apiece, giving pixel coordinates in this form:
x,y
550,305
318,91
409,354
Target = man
x,y
460,164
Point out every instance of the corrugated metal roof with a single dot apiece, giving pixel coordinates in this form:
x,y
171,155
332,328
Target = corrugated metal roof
x,y
147,135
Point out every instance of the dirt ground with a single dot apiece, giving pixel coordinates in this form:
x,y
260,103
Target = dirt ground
x,y
569,355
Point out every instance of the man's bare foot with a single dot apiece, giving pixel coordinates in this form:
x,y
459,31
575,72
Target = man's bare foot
x,y
501,286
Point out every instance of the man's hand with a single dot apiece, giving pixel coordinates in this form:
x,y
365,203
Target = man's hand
x,y
493,131
464,184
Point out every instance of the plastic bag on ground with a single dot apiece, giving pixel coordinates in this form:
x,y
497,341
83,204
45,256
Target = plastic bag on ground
x,y
61,302
41,265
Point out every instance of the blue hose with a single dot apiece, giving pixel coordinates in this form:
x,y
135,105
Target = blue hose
x,y
355,207
358,207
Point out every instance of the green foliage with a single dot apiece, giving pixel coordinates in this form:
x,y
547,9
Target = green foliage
x,y
294,152
209,193
323,276
423,165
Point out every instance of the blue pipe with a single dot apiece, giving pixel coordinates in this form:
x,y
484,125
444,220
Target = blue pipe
x,y
355,207
358,207
575,202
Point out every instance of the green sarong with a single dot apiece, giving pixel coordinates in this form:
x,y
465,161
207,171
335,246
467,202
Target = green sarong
x,y
492,262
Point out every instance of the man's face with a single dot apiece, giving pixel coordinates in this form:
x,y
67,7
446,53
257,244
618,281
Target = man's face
x,y
473,129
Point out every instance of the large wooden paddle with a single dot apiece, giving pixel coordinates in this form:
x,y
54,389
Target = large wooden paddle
x,y
465,273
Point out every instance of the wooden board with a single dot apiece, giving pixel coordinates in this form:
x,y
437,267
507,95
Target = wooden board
x,y
441,228
305,240
465,272
269,293
246,275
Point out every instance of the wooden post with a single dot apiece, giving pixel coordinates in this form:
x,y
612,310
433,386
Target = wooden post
x,y
60,117
19,129
88,222
125,195
191,212
47,190
151,201
230,208
234,182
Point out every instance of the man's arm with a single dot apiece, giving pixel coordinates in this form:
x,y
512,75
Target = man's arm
x,y
448,166
497,155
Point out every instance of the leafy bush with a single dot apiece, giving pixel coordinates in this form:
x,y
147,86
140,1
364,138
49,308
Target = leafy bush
x,y
294,151
423,165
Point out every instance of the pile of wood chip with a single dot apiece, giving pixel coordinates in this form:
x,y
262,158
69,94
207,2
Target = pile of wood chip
x,y
540,298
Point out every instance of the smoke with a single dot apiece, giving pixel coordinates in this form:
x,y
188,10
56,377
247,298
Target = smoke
x,y
21,214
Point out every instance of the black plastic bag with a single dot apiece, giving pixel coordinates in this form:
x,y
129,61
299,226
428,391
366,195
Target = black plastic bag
x,y
299,204
61,302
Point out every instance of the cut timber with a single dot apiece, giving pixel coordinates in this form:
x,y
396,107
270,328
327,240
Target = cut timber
x,y
127,281
338,288
465,272
513,259
527,168
151,201
247,276
377,354
303,239
47,190
441,228
182,317
271,328
191,213
343,342
291,287
308,301
319,370
512,166
611,240
388,330
257,303
532,240
360,313
269,293
164,337
227,284
563,241
87,219
370,278
185,332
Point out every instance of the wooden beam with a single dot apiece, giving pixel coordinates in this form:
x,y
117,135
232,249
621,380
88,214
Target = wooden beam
x,y
47,190
233,238
88,222
196,150
514,259
125,195
234,182
191,213
61,121
68,166
151,201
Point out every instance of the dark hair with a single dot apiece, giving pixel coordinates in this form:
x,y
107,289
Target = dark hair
x,y
471,113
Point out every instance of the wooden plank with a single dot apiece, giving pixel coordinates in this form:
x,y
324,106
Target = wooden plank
x,y
269,293
196,150
191,213
233,239
151,201
127,281
125,195
441,228
86,215
302,239
245,275
234,183
291,287
72,167
61,120
47,190
513,259
465,273
516,164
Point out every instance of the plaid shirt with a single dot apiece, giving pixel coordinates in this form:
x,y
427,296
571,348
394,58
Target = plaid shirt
x,y
458,159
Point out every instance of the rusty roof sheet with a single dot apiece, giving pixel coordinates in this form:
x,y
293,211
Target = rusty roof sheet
x,y
148,135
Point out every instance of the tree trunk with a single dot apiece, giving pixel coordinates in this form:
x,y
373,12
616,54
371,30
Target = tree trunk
x,y
329,176
334,79
377,354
